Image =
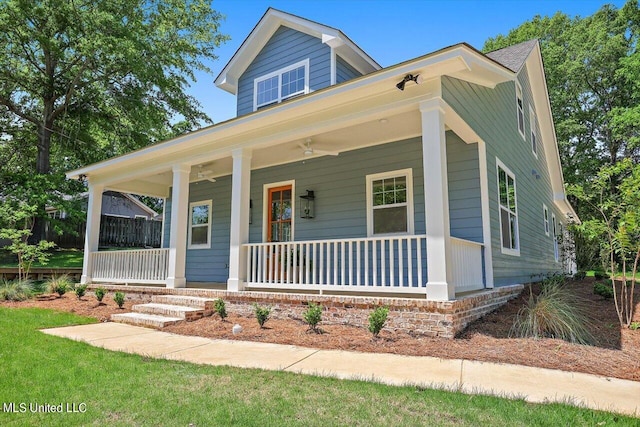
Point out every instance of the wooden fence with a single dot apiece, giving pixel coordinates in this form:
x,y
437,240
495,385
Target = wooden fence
x,y
114,232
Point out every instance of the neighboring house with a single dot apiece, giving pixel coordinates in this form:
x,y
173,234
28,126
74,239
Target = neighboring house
x,y
436,176
114,204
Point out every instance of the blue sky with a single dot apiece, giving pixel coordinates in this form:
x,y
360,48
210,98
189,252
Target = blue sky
x,y
389,31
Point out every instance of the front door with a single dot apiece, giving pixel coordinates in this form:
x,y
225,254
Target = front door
x,y
280,214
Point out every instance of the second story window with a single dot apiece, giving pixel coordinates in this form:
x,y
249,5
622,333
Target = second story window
x,y
534,132
520,108
281,85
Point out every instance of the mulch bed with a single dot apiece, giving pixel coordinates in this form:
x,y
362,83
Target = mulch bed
x,y
616,354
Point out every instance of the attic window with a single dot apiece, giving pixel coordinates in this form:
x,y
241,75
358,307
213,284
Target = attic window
x,y
520,107
281,85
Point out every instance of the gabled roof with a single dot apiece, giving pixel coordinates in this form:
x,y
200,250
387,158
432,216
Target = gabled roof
x,y
513,57
267,26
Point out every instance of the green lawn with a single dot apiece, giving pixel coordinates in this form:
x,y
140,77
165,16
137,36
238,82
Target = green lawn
x,y
129,390
62,258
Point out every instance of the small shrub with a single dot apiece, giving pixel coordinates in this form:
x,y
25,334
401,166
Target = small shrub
x,y
100,293
119,299
221,308
634,326
598,275
312,316
59,285
16,290
262,314
580,275
555,313
377,319
80,290
603,290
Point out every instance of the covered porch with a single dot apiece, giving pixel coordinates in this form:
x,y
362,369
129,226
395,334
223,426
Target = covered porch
x,y
429,262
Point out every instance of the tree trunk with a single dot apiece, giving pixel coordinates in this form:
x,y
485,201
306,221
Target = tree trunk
x,y
43,167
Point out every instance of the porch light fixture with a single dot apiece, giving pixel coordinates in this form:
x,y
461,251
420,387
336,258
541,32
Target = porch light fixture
x,y
307,205
409,78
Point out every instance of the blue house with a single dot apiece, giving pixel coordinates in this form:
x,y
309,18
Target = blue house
x,y
435,177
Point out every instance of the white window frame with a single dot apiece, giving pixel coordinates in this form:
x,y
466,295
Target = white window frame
x,y
545,216
140,217
533,124
209,204
520,109
556,248
507,251
304,63
408,175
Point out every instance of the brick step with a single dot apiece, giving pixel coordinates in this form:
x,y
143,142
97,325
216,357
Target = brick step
x,y
147,320
168,310
184,300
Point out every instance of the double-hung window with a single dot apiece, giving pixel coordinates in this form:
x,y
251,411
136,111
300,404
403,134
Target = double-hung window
x,y
200,225
281,84
533,123
545,213
556,249
508,210
520,108
390,203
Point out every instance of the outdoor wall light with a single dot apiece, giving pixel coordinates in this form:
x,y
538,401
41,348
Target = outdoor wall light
x,y
409,78
307,205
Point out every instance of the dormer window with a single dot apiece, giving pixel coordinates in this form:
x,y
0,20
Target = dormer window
x,y
281,85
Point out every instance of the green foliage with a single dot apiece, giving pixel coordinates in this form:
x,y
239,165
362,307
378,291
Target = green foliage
x,y
15,290
59,284
100,293
554,313
377,319
580,275
598,275
603,290
312,316
634,326
262,314
16,223
80,291
221,308
119,299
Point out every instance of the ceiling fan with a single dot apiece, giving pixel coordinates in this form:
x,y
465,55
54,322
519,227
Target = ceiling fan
x,y
309,151
204,174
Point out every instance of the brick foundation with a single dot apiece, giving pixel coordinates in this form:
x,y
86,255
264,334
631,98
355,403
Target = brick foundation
x,y
417,316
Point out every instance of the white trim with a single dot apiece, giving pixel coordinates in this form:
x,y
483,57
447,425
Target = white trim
x,y
533,134
209,204
520,109
507,251
266,209
164,222
545,219
408,174
333,66
486,213
278,73
117,216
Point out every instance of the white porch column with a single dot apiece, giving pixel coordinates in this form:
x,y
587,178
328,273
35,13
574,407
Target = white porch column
x,y
92,233
178,230
436,193
239,233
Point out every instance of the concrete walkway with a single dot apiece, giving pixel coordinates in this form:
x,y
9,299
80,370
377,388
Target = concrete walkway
x,y
532,384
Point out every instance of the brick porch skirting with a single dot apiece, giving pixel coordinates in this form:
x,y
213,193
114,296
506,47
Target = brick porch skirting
x,y
415,316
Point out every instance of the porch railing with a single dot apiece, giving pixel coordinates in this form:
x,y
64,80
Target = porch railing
x,y
390,264
467,265
131,266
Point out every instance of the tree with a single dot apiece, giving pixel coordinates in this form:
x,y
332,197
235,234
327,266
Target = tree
x,y
617,228
82,80
592,67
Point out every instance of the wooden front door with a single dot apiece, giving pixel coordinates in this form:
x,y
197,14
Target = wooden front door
x,y
280,214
